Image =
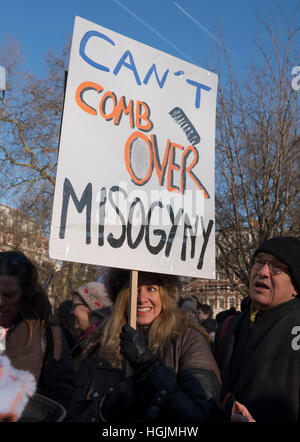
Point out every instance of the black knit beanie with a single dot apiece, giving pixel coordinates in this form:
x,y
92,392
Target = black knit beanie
x,y
287,250
116,279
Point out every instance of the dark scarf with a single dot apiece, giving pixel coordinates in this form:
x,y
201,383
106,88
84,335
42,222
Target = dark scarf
x,y
87,332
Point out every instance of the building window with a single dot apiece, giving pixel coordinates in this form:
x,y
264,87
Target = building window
x,y
222,276
231,302
9,222
240,302
221,302
211,302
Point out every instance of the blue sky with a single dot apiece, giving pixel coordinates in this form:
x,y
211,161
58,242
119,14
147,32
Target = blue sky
x,y
184,28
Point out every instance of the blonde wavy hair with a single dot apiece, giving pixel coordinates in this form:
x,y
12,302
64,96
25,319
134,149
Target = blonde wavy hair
x,y
170,322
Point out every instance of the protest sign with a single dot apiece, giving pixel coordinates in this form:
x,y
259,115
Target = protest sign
x,y
135,176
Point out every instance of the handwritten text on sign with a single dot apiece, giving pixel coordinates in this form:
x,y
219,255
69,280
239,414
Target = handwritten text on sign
x,y
136,163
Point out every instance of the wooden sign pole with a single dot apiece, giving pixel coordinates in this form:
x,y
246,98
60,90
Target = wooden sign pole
x,y
133,292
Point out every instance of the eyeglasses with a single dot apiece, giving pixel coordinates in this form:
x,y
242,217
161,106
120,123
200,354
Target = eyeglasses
x,y
76,304
275,269
14,258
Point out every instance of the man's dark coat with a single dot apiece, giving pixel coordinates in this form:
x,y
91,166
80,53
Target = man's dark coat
x,y
260,362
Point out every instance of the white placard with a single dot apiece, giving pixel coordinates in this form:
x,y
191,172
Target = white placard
x,y
135,176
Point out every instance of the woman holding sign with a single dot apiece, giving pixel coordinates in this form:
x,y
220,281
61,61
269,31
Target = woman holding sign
x,y
174,377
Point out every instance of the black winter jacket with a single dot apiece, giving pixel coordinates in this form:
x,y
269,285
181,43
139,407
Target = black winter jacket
x,y
180,388
260,362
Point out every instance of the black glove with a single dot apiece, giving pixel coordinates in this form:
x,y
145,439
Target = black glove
x,y
134,348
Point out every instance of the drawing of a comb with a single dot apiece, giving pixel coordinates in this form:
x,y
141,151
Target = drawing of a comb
x,y
180,118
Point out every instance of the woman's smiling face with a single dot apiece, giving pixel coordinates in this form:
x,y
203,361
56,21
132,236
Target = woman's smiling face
x,y
149,304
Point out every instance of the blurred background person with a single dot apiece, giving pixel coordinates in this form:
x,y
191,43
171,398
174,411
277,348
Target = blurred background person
x,y
90,306
205,316
222,316
189,305
64,316
32,342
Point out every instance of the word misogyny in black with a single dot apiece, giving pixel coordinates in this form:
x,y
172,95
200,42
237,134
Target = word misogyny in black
x,y
157,240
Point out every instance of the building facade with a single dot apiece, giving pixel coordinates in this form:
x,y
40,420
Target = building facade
x,y
18,231
220,293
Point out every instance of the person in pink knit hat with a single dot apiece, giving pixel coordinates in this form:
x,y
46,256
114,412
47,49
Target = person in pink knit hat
x,y
91,305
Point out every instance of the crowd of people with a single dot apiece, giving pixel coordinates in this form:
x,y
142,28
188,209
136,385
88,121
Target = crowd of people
x,y
179,365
